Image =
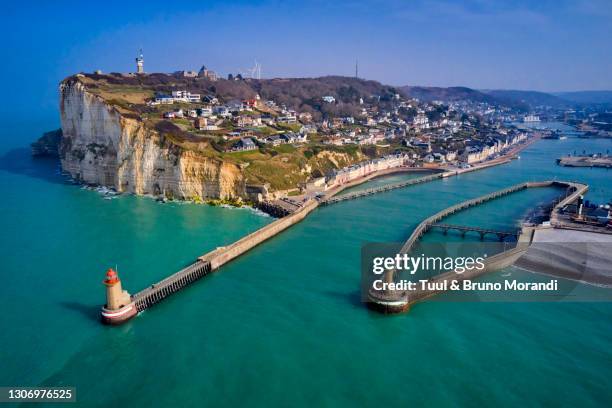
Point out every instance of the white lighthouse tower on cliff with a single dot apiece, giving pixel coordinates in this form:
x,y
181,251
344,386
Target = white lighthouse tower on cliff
x,y
140,63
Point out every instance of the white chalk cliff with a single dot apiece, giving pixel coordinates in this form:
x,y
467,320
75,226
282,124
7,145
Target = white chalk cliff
x,y
103,147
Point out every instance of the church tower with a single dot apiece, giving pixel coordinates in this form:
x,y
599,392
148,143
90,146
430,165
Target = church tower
x,y
140,63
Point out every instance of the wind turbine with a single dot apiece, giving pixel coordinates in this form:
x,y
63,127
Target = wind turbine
x,y
253,72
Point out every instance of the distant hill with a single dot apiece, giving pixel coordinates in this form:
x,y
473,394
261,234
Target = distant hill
x,y
455,93
531,98
461,93
512,98
587,97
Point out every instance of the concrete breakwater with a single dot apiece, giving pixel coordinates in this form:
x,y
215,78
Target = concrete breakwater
x,y
398,301
272,209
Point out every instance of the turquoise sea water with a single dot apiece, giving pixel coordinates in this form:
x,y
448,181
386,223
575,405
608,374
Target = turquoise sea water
x,y
283,324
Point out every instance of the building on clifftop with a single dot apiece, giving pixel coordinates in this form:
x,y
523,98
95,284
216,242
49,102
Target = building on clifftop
x,y
140,63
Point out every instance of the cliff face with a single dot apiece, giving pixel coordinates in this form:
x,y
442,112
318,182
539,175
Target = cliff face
x,y
102,146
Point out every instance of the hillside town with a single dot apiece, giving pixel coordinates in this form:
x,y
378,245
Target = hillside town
x,y
429,133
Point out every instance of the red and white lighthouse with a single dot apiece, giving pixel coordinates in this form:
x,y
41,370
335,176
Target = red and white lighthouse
x,y
119,306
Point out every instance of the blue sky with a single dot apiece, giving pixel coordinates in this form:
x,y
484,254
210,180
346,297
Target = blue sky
x,y
550,45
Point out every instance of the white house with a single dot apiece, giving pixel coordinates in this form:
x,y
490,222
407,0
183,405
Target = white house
x,y
163,99
288,116
184,96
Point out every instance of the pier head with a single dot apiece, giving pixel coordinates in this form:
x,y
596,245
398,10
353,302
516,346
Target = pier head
x,y
390,298
388,301
119,306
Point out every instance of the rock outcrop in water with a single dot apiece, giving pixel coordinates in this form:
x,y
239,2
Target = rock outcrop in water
x,y
102,146
48,144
